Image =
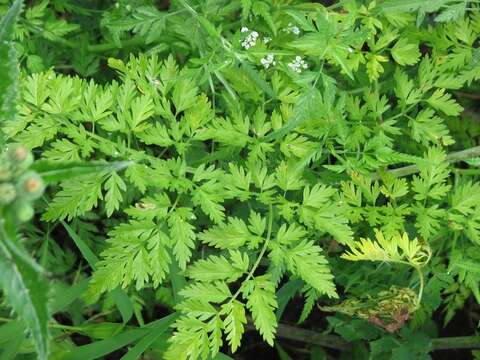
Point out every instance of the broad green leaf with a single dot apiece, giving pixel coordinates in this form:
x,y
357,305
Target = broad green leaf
x,y
26,291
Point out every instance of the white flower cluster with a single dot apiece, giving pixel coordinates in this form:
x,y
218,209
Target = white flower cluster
x,y
267,39
292,29
298,64
250,40
268,60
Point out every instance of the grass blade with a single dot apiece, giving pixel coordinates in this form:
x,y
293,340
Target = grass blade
x,y
55,172
122,301
157,331
8,65
104,347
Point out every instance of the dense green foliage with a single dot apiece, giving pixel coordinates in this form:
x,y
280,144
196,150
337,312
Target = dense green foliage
x,y
217,167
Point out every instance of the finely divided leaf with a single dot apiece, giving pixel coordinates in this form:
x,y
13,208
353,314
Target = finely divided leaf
x,y
214,268
443,101
262,303
306,261
234,322
114,186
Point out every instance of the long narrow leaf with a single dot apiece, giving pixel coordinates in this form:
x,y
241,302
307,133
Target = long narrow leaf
x,y
55,172
64,299
104,347
157,331
8,22
8,66
285,294
26,291
87,253
122,301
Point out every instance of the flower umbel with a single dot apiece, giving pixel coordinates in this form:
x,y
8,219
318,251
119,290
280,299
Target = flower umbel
x,y
298,64
292,29
250,40
268,61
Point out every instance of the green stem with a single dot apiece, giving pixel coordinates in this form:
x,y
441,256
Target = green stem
x,y
422,285
98,48
452,158
50,324
338,343
457,342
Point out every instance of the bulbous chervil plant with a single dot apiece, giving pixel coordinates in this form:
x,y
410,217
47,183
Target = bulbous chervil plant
x,y
235,179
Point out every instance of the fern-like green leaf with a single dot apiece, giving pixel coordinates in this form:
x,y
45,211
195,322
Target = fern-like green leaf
x,y
234,322
398,248
215,268
262,303
306,261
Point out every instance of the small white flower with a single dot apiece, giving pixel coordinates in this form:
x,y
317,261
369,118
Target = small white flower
x,y
268,61
298,64
250,40
295,30
292,29
350,50
244,29
267,39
